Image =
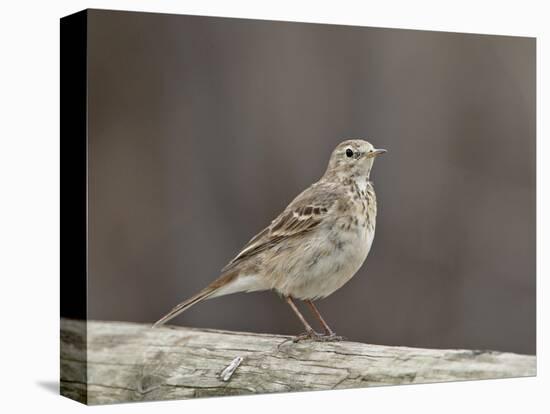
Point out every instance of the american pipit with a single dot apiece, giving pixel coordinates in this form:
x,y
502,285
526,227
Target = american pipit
x,y
314,246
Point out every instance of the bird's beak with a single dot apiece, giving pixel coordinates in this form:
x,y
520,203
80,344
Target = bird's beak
x,y
377,152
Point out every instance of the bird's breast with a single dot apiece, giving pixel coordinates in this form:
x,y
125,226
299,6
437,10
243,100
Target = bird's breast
x,y
322,261
329,258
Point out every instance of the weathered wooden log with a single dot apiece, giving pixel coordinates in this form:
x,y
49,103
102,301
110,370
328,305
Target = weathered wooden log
x,y
133,362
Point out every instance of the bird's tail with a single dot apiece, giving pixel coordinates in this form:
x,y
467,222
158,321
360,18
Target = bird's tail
x,y
212,290
199,297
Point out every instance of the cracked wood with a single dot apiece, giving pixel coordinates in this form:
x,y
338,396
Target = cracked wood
x,y
132,362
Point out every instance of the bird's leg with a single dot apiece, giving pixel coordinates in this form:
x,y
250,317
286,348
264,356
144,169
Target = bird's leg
x,y
310,332
317,314
328,332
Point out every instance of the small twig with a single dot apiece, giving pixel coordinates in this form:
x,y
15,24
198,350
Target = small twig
x,y
226,374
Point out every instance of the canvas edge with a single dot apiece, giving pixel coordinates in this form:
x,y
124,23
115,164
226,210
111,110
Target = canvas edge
x,y
73,198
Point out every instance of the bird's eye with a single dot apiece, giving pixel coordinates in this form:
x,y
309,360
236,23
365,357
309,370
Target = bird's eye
x,y
349,152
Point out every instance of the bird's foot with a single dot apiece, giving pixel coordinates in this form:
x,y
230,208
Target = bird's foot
x,y
331,337
308,336
315,336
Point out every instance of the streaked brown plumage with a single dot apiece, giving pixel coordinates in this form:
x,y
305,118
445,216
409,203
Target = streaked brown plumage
x,y
315,245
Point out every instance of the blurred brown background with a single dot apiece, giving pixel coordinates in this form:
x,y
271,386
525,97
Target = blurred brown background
x,y
201,130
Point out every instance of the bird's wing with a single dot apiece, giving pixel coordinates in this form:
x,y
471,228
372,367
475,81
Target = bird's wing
x,y
302,215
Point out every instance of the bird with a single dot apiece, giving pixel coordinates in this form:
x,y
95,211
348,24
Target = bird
x,y
316,245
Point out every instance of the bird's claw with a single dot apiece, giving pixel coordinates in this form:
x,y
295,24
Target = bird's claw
x,y
332,338
315,336
309,335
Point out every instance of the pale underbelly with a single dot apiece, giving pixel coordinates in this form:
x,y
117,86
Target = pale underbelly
x,y
323,265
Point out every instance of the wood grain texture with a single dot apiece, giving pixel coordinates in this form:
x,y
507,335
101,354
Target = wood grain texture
x,y
133,362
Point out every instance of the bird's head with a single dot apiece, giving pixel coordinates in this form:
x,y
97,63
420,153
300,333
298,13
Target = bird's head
x,y
352,159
